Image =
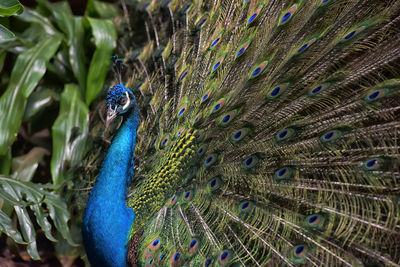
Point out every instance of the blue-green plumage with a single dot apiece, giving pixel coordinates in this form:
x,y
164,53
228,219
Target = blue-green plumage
x,y
268,137
107,220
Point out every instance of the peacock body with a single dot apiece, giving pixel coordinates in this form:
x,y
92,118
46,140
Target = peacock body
x,y
267,135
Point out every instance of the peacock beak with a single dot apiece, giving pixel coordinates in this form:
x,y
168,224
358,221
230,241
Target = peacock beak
x,y
111,114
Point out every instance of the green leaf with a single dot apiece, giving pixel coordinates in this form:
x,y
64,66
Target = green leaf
x,y
26,225
32,16
3,55
38,100
72,26
44,224
69,132
105,37
61,66
10,7
10,198
60,215
16,191
28,231
63,249
5,34
26,74
101,9
22,195
7,227
77,54
5,163
62,15
29,38
24,167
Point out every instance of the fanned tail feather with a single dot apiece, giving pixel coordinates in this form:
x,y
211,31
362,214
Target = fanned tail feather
x,y
269,132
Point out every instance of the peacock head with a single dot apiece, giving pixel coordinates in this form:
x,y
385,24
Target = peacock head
x,y
120,100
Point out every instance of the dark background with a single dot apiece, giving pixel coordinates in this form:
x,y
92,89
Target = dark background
x,y
78,6
14,255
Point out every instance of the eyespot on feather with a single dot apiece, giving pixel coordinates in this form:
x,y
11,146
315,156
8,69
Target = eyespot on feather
x,y
200,135
182,110
193,246
246,207
253,17
287,15
352,34
277,91
208,262
210,160
376,94
154,244
217,64
227,118
331,136
285,134
187,196
214,184
164,141
172,200
151,263
242,49
197,119
239,135
218,106
201,151
319,89
373,164
250,162
284,174
258,70
183,74
180,132
305,46
176,259
206,95
216,40
298,253
201,21
315,221
186,7
325,2
225,257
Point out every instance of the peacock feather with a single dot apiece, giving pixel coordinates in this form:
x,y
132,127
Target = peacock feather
x,y
253,133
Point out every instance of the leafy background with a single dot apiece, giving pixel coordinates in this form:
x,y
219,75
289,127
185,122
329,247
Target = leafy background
x,y
54,66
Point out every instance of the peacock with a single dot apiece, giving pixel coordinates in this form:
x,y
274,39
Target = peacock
x,y
249,133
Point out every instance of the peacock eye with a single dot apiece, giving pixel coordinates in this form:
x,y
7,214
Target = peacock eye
x,y
125,101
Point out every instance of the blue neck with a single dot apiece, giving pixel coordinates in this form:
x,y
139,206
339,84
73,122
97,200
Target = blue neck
x,y
107,219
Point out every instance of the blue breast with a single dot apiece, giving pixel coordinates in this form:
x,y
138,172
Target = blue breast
x,y
107,220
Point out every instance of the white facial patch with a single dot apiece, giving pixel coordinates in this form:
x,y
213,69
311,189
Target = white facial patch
x,y
127,102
